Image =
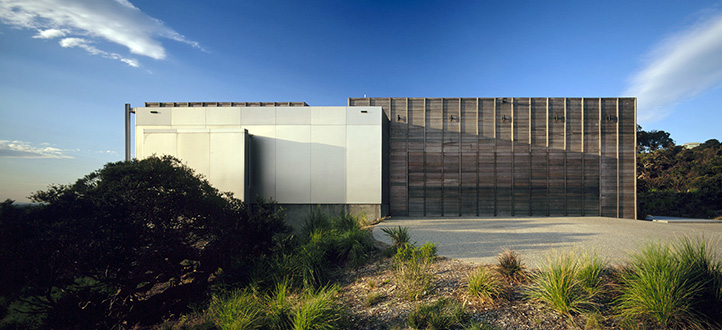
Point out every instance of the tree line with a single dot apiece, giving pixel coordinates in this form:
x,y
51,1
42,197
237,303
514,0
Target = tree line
x,y
676,181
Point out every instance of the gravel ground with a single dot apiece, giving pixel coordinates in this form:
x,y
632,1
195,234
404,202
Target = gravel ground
x,y
450,282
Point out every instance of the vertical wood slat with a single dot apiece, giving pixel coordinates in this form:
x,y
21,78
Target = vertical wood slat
x,y
616,134
599,137
612,177
512,156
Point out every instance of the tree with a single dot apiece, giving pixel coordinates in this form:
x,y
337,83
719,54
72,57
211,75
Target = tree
x,y
652,140
134,241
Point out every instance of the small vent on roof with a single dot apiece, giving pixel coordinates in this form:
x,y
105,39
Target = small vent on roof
x,y
364,111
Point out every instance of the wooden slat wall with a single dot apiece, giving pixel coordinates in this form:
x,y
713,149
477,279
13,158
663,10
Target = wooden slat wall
x,y
511,156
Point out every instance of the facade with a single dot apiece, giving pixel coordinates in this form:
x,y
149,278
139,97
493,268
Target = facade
x,y
410,156
510,156
298,156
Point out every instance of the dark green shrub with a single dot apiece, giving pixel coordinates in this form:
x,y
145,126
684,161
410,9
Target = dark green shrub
x,y
132,227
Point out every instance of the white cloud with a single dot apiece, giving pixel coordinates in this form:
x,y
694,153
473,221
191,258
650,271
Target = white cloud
x,y
87,46
117,21
49,34
21,149
680,67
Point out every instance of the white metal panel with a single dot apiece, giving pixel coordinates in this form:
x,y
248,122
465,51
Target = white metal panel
x,y
328,164
293,164
157,143
227,162
193,149
258,116
263,160
363,115
188,116
293,116
363,164
152,116
328,115
223,116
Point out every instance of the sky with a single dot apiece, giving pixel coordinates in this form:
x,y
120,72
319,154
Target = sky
x,y
67,67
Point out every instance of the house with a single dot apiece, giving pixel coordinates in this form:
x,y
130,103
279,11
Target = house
x,y
409,156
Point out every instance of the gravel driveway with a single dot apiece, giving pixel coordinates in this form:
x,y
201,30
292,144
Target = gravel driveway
x,y
480,240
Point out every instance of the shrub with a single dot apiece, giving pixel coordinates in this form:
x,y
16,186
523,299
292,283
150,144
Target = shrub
x,y
510,266
660,287
319,310
442,314
591,269
399,236
484,284
412,268
279,307
558,284
148,227
236,310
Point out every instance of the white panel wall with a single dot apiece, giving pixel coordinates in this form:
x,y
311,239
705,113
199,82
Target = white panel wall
x,y
227,161
363,172
293,164
263,160
299,155
328,163
194,149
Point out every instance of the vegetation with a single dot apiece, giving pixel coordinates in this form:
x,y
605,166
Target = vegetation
x,y
672,286
131,242
509,265
484,284
567,285
399,236
413,269
442,314
675,181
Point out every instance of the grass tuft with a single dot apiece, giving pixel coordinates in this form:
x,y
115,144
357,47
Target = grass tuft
x,y
412,267
374,298
558,284
236,310
319,310
442,314
399,236
484,284
510,266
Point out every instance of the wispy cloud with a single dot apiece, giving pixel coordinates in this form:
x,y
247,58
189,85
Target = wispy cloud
x,y
680,67
84,23
21,149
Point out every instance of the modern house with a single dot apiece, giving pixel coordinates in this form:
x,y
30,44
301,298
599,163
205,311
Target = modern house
x,y
409,156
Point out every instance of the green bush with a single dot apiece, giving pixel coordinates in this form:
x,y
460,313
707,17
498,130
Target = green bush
x,y
484,284
399,236
319,310
236,310
442,314
560,284
412,267
671,286
90,248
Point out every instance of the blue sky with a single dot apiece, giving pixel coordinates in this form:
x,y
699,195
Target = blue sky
x,y
67,67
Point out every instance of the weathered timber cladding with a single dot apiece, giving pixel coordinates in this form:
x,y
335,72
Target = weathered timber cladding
x,y
510,156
